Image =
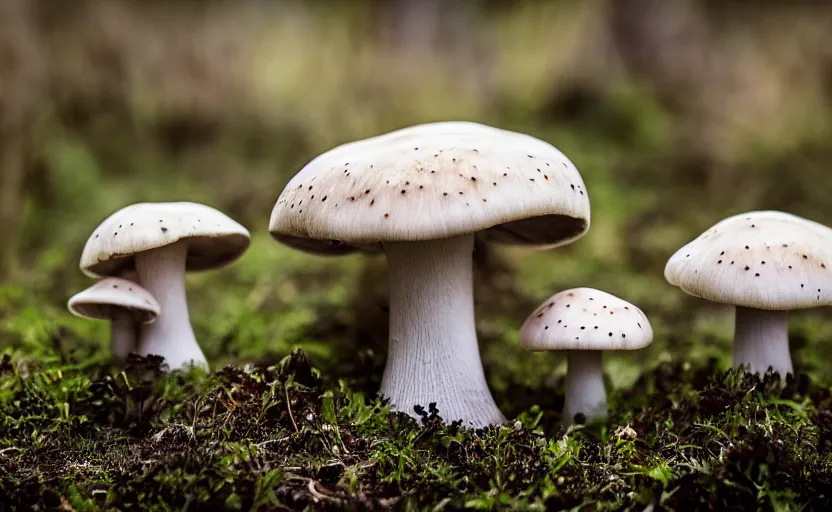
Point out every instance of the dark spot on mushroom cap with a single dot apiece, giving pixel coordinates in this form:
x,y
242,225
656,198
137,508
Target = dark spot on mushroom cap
x,y
610,334
164,229
747,267
386,215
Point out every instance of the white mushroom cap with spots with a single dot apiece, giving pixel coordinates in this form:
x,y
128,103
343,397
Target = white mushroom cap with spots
x,y
586,319
101,301
764,260
213,239
432,181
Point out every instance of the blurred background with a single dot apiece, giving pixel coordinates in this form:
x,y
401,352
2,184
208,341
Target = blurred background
x,y
677,114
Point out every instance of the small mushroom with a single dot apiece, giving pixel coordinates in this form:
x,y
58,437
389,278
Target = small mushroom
x,y
764,263
162,241
420,195
585,322
122,302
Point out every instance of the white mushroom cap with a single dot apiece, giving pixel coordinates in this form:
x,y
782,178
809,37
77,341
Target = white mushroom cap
x,y
433,181
765,260
586,319
213,238
101,301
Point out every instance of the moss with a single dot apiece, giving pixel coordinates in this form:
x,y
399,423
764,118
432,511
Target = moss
x,y
284,436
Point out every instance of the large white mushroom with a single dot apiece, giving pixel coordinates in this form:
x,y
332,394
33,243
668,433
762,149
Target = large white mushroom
x,y
162,241
585,322
124,303
765,263
420,195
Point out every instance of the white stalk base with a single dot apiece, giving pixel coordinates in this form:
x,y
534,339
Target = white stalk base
x,y
585,392
761,340
162,273
433,353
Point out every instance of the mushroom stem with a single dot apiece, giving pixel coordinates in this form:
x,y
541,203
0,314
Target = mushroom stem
x,y
433,354
122,334
585,392
761,340
162,273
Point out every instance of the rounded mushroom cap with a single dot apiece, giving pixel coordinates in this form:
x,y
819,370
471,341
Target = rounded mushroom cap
x,y
101,300
765,260
214,239
586,319
432,181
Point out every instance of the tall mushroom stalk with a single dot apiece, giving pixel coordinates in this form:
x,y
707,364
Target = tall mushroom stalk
x,y
162,272
433,351
761,340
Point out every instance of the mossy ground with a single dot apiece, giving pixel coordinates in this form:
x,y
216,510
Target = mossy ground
x,y
82,437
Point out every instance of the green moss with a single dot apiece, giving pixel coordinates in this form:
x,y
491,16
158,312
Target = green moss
x,y
286,436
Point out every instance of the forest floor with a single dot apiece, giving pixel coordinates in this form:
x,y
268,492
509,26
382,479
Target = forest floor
x,y
76,436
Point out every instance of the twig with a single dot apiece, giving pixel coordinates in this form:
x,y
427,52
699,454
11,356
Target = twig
x,y
289,407
316,494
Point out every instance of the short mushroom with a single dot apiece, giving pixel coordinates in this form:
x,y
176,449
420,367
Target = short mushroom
x,y
765,263
162,241
585,322
420,195
122,302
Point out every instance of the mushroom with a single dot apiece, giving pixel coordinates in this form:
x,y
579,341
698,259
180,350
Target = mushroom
x,y
419,195
121,301
162,241
765,263
585,322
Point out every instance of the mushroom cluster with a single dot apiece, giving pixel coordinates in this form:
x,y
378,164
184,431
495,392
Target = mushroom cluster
x,y
160,242
420,196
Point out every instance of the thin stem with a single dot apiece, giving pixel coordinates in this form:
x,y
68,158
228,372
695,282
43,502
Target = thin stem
x,y
761,340
585,392
162,273
122,335
433,353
